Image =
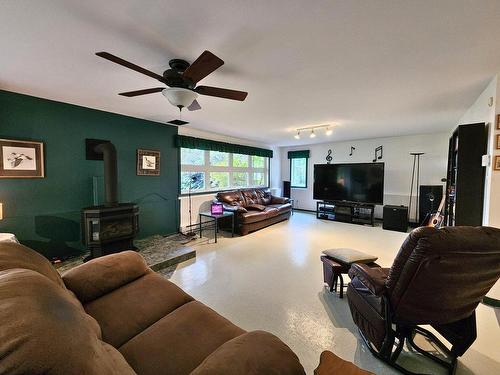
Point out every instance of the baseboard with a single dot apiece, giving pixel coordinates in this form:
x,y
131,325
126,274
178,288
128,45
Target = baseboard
x,y
304,210
488,301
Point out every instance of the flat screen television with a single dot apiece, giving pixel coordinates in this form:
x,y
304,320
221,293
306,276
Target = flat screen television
x,y
353,182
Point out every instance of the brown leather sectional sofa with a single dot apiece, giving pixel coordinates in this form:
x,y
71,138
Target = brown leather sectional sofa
x,y
114,315
254,208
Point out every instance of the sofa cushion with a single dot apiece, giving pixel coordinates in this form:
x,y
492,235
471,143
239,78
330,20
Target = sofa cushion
x,y
251,197
252,353
231,198
349,256
14,255
256,206
127,311
264,195
252,216
180,341
271,212
99,276
46,331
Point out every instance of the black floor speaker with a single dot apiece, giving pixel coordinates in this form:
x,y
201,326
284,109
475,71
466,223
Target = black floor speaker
x,y
395,218
286,189
428,201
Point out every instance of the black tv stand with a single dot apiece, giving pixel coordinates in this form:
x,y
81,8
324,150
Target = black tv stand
x,y
347,212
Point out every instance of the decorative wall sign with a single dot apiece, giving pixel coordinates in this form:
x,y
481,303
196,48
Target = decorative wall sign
x,y
496,164
329,157
379,153
352,149
21,159
148,162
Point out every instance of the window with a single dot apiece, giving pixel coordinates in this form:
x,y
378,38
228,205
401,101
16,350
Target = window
x,y
192,157
192,180
203,171
298,173
298,168
240,161
219,159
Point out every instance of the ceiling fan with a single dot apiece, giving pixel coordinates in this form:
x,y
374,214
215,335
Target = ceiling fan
x,y
181,79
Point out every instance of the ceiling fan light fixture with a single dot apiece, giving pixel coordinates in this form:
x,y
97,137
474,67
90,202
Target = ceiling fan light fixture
x,y
313,134
297,136
179,97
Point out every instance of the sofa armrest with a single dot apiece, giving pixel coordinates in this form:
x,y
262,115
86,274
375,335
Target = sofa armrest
x,y
279,200
372,277
251,353
330,364
100,276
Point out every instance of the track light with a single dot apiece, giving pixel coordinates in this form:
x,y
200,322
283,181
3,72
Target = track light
x,y
326,128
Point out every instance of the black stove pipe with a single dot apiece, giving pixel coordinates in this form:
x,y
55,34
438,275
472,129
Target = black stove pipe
x,y
108,152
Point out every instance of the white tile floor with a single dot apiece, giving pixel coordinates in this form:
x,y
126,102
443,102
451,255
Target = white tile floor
x,y
272,280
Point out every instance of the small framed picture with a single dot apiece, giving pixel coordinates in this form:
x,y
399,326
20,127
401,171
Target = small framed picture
x,y
498,141
21,159
148,162
496,164
498,122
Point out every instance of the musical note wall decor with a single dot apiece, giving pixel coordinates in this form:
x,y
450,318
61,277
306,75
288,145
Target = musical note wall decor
x,y
329,157
379,153
352,149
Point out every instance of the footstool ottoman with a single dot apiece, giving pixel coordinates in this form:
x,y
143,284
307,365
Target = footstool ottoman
x,y
330,364
338,261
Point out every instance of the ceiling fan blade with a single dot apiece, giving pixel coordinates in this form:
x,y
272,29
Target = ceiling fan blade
x,y
137,68
205,64
142,92
221,93
194,106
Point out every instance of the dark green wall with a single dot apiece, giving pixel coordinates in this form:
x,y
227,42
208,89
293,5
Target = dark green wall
x,y
45,213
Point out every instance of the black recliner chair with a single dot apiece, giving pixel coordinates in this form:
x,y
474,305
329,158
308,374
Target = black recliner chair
x,y
438,278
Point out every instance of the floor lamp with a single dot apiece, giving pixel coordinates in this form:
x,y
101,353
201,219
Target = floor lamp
x,y
192,180
416,168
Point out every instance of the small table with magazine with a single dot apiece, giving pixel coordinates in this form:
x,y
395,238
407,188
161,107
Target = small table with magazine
x,y
214,218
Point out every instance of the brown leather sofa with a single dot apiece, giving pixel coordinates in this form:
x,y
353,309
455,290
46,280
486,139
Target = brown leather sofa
x,y
438,278
254,208
114,315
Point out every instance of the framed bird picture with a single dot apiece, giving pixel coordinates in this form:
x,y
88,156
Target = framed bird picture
x,y
148,162
21,159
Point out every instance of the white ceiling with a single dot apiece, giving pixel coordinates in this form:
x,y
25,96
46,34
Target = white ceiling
x,y
374,68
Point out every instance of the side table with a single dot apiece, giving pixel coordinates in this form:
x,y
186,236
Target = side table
x,y
215,219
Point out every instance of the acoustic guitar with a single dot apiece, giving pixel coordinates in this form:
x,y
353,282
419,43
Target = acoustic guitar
x,y
436,220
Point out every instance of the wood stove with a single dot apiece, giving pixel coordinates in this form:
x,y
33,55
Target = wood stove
x,y
111,227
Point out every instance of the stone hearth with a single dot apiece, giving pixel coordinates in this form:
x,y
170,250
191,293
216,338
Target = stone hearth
x,y
162,254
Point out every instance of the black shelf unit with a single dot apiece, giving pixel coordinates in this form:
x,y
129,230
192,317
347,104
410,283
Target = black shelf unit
x,y
465,176
347,212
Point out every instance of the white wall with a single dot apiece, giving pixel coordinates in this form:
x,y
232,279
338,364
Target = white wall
x,y
482,111
202,202
397,159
